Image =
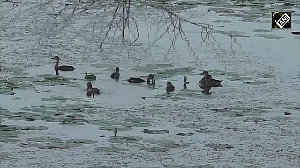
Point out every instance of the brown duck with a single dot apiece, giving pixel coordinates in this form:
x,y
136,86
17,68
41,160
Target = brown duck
x,y
170,87
116,74
90,90
209,81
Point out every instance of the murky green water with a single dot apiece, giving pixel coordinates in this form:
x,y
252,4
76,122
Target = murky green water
x,y
48,121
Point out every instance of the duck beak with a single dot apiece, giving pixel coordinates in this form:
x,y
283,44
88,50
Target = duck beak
x,y
201,73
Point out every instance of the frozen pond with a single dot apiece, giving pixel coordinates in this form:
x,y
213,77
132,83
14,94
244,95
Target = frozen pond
x,y
252,121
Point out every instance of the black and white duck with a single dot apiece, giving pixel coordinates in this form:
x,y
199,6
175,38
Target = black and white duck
x,y
150,80
62,67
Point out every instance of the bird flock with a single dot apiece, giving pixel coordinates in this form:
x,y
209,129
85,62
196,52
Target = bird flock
x,y
206,83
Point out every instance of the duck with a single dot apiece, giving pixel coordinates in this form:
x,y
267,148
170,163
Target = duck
x,y
116,74
150,80
62,67
170,87
135,80
296,32
90,76
12,91
209,81
90,90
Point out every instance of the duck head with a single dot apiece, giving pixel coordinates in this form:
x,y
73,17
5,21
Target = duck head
x,y
205,73
89,85
56,58
117,69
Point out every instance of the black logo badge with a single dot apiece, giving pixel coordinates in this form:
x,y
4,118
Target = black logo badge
x,y
281,20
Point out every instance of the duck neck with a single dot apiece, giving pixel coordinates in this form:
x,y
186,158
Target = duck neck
x,y
56,68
